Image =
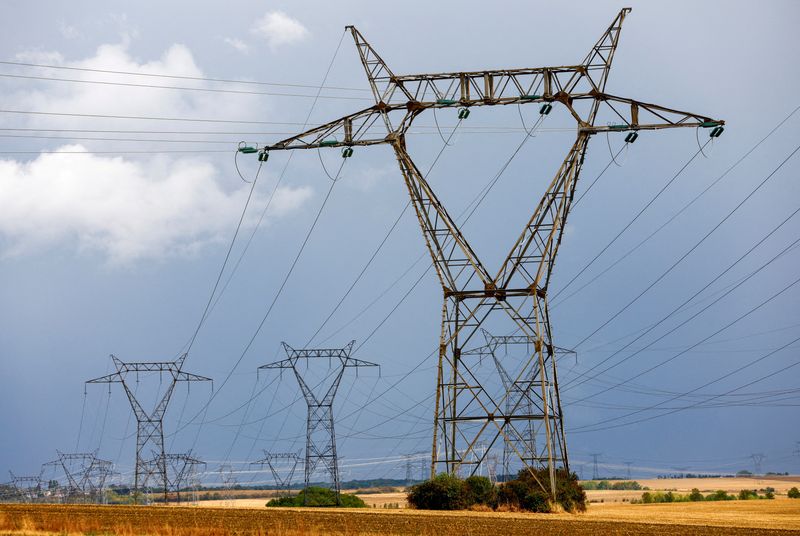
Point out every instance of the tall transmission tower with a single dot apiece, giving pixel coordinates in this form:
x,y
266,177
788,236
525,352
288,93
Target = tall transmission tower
x,y
85,475
757,458
320,436
282,465
628,470
595,469
27,488
516,297
150,423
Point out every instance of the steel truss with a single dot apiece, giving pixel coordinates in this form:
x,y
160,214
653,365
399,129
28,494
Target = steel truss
x,y
320,435
27,488
466,412
276,461
150,424
85,474
181,472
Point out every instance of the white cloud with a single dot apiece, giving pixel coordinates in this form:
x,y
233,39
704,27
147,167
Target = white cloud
x,y
124,210
68,31
278,29
238,44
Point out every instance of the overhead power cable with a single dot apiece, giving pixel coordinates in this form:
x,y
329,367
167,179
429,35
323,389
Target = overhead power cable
x,y
693,248
177,88
179,77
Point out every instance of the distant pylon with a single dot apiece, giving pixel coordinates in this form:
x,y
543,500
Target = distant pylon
x,y
282,465
27,488
628,464
595,470
181,472
320,436
85,475
150,423
757,458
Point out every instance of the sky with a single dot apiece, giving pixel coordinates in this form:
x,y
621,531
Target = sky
x,y
120,197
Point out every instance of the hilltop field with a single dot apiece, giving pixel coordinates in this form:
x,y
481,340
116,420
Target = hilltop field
x,y
388,516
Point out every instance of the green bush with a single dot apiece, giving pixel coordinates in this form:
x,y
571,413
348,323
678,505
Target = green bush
x,y
525,491
480,490
794,493
319,497
695,495
445,492
720,495
748,494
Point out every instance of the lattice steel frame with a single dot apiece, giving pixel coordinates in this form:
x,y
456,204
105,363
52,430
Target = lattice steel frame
x,y
272,459
464,411
86,474
181,469
150,424
320,435
27,488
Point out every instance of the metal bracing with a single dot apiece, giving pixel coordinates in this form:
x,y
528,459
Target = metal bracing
x,y
85,475
150,424
465,411
320,435
282,465
181,471
27,488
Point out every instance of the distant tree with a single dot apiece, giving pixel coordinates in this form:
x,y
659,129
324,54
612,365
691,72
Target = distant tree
x,y
445,492
317,496
747,494
794,493
525,491
695,495
744,472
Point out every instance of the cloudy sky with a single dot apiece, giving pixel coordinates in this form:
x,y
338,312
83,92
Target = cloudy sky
x,y
119,198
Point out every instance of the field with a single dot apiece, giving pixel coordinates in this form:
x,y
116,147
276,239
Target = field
x,y
777,517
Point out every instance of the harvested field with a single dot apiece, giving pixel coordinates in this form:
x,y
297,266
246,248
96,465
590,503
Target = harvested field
x,y
777,517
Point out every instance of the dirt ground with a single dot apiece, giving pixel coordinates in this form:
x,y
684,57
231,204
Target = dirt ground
x,y
775,517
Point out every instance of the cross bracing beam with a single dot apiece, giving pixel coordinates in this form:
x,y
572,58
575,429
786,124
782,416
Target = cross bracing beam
x,y
465,412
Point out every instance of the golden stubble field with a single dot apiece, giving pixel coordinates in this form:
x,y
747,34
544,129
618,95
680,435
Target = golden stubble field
x,y
776,517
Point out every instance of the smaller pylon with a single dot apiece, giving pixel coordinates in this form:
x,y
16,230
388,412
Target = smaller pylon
x,y
85,475
282,465
27,488
628,465
757,458
181,472
595,468
320,435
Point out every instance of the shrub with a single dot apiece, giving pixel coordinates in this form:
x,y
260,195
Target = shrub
x,y
695,495
526,491
794,493
319,497
479,490
747,494
445,492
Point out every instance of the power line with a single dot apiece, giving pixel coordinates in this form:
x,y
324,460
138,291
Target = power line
x,y
709,233
177,88
179,77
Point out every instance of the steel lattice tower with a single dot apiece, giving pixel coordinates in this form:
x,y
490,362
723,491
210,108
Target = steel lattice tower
x,y
181,470
86,474
320,435
150,424
27,488
517,294
273,461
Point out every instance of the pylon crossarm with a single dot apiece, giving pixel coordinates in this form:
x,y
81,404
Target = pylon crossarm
x,y
630,114
356,129
188,377
114,377
353,362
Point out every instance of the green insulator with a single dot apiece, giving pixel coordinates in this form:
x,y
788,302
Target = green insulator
x,y
446,101
246,149
709,124
531,97
463,113
328,143
263,156
546,109
631,137
716,132
347,152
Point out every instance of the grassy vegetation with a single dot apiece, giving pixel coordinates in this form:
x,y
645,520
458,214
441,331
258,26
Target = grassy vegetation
x,y
315,496
605,484
695,496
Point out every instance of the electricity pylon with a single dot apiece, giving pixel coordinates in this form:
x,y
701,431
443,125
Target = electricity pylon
x,y
282,465
521,400
27,488
181,471
320,436
758,459
85,474
595,468
465,411
150,424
